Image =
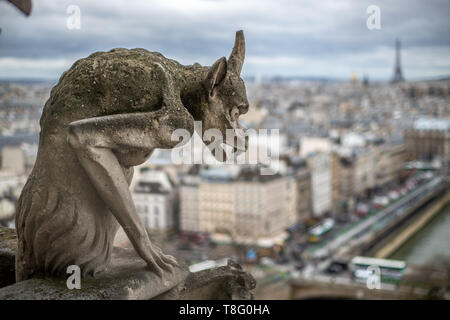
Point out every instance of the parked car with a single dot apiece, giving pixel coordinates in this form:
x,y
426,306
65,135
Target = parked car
x,y
296,254
428,175
299,265
336,267
393,195
267,261
282,259
362,209
403,191
380,202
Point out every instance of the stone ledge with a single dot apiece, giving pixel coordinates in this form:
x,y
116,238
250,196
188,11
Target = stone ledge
x,y
127,279
229,282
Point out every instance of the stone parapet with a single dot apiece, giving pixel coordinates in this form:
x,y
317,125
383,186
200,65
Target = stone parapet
x,y
128,278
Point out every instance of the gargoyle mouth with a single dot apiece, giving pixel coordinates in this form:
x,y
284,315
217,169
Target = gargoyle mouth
x,y
239,140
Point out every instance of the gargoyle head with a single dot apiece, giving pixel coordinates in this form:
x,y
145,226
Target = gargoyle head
x,y
226,96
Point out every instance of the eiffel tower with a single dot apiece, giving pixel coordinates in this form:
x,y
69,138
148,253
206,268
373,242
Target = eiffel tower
x,y
398,75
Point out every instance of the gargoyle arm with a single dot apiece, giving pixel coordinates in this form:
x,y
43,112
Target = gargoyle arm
x,y
99,142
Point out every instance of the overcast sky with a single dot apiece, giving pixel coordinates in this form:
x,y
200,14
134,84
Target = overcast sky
x,y
318,38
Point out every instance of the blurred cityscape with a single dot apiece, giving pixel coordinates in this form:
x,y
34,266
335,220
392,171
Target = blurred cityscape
x,y
362,181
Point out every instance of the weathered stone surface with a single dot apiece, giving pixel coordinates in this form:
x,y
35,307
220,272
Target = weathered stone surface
x,y
8,246
107,114
223,283
127,278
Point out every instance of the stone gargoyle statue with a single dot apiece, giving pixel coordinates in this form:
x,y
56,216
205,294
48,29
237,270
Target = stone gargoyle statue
x,y
107,113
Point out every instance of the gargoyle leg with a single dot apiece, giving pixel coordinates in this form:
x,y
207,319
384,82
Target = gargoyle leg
x,y
95,142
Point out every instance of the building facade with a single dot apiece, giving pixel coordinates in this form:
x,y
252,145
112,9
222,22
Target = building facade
x,y
389,163
238,202
320,167
335,183
155,197
356,175
297,168
429,138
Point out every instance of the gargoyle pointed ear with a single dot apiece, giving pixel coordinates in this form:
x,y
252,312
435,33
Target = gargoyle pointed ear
x,y
215,75
237,55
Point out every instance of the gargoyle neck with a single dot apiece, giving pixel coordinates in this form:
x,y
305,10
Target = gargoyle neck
x,y
193,94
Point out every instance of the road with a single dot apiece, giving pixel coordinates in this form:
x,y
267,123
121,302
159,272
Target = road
x,y
319,256
380,218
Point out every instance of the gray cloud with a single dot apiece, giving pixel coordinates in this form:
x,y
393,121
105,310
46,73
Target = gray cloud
x,y
306,38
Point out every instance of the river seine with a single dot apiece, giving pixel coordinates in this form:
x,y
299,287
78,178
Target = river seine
x,y
428,244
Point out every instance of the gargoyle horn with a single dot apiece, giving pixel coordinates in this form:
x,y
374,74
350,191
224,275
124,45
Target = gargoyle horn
x,y
236,59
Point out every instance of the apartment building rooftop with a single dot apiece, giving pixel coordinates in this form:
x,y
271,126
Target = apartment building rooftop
x,y
426,123
150,187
